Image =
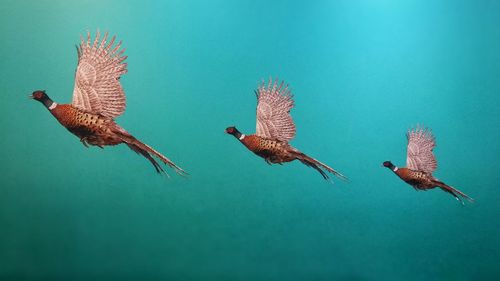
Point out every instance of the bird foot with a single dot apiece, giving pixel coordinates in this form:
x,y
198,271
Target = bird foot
x,y
84,142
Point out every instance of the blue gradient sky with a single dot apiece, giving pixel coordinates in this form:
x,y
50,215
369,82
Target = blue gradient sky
x,y
362,72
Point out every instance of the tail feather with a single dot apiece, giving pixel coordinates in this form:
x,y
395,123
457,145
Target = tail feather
x,y
317,165
459,195
144,153
147,151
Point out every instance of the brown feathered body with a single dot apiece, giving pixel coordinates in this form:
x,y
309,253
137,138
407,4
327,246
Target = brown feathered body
x,y
424,181
93,129
273,151
278,152
419,180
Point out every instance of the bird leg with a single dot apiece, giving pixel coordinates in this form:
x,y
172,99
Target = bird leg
x,y
84,142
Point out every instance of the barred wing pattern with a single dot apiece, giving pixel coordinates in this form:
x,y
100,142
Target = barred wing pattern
x,y
97,87
421,142
274,103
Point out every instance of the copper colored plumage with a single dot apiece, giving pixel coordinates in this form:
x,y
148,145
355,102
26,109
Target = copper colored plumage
x,y
421,163
98,98
275,128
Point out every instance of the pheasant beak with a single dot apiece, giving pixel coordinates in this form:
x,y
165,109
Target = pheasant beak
x,y
31,97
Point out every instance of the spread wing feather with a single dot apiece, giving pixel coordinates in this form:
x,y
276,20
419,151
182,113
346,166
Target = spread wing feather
x,y
421,142
274,102
97,86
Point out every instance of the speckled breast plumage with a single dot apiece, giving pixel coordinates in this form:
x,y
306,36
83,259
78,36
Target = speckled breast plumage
x,y
417,179
272,151
92,129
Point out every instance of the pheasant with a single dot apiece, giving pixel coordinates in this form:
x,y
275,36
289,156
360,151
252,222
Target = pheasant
x,y
98,98
421,163
275,128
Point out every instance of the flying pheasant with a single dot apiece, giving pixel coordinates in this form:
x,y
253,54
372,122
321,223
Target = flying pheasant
x,y
275,128
421,163
98,98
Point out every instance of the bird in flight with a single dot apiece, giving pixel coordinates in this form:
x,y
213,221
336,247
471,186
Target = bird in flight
x,y
421,163
98,98
275,128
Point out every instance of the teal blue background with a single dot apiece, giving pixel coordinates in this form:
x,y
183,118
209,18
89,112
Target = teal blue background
x,y
362,72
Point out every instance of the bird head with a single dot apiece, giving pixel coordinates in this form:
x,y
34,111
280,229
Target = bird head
x,y
387,164
39,95
231,130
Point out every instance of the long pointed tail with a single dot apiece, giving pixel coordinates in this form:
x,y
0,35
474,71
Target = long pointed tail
x,y
147,151
317,165
453,191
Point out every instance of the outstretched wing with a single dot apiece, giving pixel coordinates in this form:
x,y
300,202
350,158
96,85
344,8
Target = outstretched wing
x,y
421,142
274,102
97,86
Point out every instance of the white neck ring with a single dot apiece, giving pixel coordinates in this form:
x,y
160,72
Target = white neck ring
x,y
241,137
52,106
